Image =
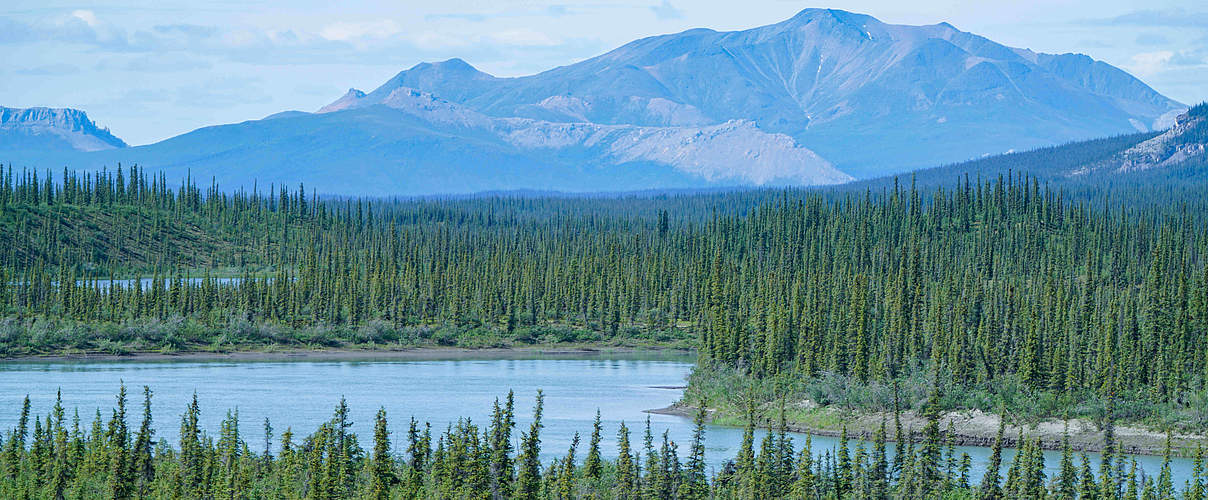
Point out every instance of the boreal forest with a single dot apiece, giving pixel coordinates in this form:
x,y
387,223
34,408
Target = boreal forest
x,y
1033,296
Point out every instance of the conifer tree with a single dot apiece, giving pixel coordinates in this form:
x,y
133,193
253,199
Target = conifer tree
x,y
1087,487
120,478
930,454
143,463
696,486
383,463
745,462
650,482
501,468
566,472
880,466
1066,487
192,459
843,472
593,465
528,481
626,470
804,483
989,489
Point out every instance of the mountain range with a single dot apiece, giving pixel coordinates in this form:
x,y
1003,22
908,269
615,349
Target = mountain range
x,y
822,98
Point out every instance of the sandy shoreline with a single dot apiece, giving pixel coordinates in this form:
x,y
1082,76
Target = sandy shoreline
x,y
976,428
347,354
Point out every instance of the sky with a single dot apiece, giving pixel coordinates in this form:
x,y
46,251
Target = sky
x,y
150,70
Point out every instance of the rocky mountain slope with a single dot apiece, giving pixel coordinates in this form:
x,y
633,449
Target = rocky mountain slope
x,y
870,97
821,98
52,129
1186,141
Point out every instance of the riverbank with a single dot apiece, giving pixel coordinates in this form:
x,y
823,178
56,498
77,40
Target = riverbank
x,y
55,337
275,353
970,428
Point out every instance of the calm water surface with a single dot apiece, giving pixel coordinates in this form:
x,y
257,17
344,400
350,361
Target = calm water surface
x,y
302,394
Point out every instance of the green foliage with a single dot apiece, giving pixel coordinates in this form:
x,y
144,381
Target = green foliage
x,y
61,461
994,289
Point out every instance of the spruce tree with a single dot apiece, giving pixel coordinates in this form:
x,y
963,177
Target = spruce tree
x,y
566,472
989,489
879,474
626,470
120,478
696,485
804,482
383,464
745,461
593,465
528,481
143,463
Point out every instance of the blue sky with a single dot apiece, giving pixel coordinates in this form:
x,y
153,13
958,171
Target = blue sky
x,y
153,69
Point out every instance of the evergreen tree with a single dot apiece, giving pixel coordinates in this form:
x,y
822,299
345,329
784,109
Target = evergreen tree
x,y
143,463
626,469
120,478
383,463
696,486
593,465
528,482
990,489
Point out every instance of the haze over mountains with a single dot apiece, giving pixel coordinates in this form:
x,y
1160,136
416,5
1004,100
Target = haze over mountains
x,y
822,98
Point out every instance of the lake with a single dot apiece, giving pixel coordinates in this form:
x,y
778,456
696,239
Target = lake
x,y
302,394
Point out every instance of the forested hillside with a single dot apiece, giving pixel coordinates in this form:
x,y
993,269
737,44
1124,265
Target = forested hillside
x,y
993,291
1142,170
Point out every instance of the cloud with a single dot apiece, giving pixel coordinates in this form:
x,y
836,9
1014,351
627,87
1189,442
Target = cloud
x,y
87,16
1160,61
142,98
317,89
666,11
347,31
554,10
154,63
231,91
1196,55
1159,18
524,38
459,16
185,46
1150,63
1152,39
1095,44
1190,58
437,40
77,27
188,30
13,31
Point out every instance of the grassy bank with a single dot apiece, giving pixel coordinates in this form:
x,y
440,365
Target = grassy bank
x,y
827,403
60,337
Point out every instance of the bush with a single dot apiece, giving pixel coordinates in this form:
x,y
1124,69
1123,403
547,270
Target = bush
x,y
376,331
446,336
112,347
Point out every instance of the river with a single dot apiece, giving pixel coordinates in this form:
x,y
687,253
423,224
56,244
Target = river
x,y
302,394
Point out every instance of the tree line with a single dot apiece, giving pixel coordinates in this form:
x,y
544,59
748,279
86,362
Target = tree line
x,y
58,459
985,283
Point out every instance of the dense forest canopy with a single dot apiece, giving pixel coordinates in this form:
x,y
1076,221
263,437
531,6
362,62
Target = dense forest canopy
x,y
1002,283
